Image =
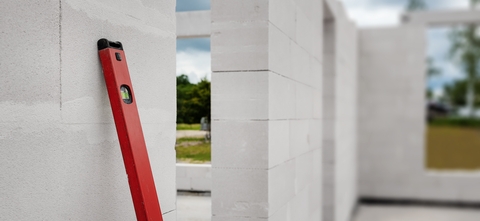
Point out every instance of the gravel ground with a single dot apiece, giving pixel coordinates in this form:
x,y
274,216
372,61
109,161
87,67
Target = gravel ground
x,y
190,133
197,207
415,213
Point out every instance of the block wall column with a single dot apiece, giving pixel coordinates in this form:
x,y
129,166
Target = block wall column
x,y
266,109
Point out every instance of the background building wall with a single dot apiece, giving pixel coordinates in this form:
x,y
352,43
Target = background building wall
x,y
392,121
346,120
339,114
60,158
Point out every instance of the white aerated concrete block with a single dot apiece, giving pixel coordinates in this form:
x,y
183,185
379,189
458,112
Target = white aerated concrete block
x,y
194,177
317,74
240,192
193,24
201,183
246,146
280,59
240,47
278,142
301,64
170,216
240,95
283,17
314,201
304,32
304,101
239,35
233,10
30,68
299,206
299,137
282,97
283,214
281,186
303,171
316,187
317,104
183,183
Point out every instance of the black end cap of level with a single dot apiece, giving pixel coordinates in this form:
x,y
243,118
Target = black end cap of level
x,y
104,43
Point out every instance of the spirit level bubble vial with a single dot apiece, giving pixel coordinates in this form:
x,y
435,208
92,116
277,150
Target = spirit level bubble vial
x,y
129,130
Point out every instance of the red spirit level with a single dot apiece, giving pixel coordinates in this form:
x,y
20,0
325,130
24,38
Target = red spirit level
x,y
129,130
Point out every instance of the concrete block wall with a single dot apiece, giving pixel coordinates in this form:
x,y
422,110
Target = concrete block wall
x,y
392,121
346,110
60,158
193,24
194,177
266,109
339,115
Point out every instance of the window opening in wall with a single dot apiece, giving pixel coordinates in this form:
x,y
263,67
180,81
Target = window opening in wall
x,y
193,101
453,98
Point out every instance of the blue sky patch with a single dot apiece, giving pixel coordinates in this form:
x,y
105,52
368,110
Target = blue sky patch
x,y
192,5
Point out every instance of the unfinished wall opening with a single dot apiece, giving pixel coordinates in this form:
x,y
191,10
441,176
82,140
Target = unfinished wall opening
x,y
193,101
193,143
453,98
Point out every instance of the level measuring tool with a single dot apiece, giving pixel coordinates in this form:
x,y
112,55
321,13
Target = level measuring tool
x,y
129,130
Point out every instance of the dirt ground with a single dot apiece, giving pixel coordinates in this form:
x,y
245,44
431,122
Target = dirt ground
x,y
453,148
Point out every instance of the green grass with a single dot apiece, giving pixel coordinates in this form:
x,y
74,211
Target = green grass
x,y
190,139
188,126
453,147
456,122
199,153
193,150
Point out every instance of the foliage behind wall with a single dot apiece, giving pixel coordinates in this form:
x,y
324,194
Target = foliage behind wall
x,y
193,100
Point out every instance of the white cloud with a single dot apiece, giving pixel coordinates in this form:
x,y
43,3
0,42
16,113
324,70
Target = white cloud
x,y
438,49
195,64
375,16
374,13
451,4
438,93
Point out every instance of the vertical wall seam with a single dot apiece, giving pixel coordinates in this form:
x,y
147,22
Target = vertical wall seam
x,y
60,47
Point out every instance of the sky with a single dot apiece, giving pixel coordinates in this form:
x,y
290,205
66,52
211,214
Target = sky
x,y
193,58
193,55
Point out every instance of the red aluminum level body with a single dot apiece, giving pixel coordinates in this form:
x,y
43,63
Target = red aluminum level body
x,y
129,130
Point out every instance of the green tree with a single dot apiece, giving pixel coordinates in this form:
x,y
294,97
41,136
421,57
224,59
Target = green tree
x,y
432,69
456,91
416,5
465,51
200,103
183,88
193,100
183,80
